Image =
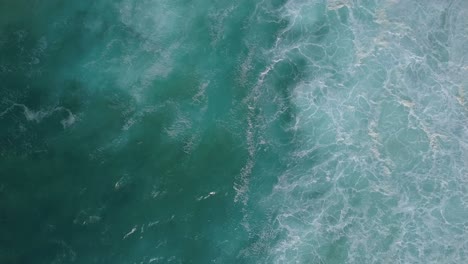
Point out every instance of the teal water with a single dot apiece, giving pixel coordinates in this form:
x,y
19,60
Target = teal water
x,y
240,131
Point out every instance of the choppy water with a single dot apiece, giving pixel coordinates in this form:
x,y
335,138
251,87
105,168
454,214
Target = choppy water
x,y
274,131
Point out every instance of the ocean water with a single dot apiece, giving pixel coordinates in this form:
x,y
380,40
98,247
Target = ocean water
x,y
233,131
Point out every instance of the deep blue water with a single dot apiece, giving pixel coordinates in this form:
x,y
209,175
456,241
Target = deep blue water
x,y
233,131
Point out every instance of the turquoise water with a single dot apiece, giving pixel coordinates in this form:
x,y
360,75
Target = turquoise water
x,y
240,131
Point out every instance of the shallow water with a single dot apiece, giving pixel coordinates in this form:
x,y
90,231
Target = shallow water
x,y
274,131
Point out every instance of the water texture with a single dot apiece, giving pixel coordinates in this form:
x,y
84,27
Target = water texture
x,y
233,131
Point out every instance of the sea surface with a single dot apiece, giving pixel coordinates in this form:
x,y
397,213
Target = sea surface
x,y
233,131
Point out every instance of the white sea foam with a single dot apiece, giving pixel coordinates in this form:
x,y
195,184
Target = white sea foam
x,y
39,115
134,229
380,169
